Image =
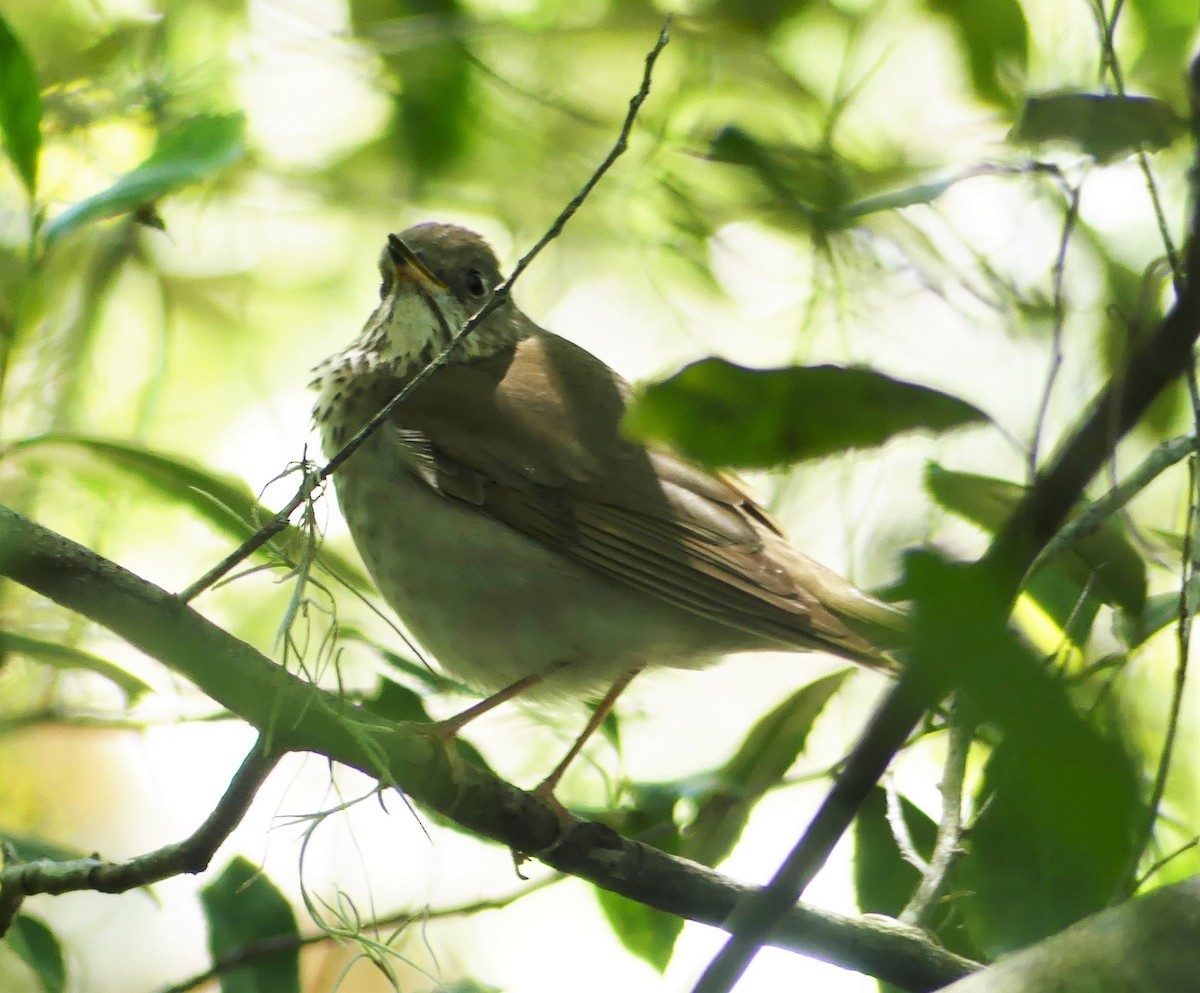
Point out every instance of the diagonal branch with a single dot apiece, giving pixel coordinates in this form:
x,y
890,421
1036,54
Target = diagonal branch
x,y
294,715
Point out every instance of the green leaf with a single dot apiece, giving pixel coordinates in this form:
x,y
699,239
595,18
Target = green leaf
x,y
1104,562
37,946
996,38
883,880
1059,812
1061,805
226,503
196,149
644,931
29,848
242,906
767,753
434,109
1104,125
723,414
20,108
64,657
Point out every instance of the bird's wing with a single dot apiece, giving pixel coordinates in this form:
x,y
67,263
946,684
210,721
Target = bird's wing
x,y
531,437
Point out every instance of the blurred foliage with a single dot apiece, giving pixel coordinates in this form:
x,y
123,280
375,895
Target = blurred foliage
x,y
863,214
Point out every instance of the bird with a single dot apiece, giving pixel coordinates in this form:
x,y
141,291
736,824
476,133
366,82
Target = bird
x,y
524,540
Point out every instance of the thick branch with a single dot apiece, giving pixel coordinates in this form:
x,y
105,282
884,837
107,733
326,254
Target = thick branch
x,y
292,714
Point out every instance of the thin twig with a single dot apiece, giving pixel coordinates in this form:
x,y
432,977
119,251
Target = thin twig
x,y
1092,518
249,953
1183,639
21,879
949,833
1056,335
900,832
314,480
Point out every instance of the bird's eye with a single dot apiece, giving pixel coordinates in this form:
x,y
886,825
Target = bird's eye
x,y
475,284
389,277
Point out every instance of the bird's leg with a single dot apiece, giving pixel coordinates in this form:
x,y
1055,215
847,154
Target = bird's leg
x,y
448,728
546,788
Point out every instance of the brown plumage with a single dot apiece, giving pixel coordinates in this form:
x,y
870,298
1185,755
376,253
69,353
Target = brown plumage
x,y
516,531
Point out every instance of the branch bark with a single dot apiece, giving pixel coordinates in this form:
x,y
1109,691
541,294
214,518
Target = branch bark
x,y
291,714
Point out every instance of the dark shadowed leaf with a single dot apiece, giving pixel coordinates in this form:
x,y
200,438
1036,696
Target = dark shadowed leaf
x,y
1104,125
197,149
1061,801
20,108
769,750
1105,562
240,906
434,108
65,657
37,946
723,414
1055,832
996,38
884,880
226,503
815,188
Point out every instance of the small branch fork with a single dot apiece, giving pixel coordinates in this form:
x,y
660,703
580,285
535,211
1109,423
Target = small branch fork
x,y
313,480
19,880
1163,356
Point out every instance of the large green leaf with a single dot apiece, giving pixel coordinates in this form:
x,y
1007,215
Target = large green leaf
x,y
37,946
197,149
723,414
226,503
1104,125
20,108
1104,563
767,753
1061,805
65,657
240,906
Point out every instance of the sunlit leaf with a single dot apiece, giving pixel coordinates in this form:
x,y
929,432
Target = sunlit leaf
x,y
723,414
37,946
1104,125
20,108
226,503
240,906
761,761
65,657
198,148
1104,562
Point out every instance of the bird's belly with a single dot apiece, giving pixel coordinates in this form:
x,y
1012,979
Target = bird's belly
x,y
494,606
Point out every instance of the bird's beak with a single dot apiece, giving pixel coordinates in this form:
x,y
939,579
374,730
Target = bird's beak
x,y
408,267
